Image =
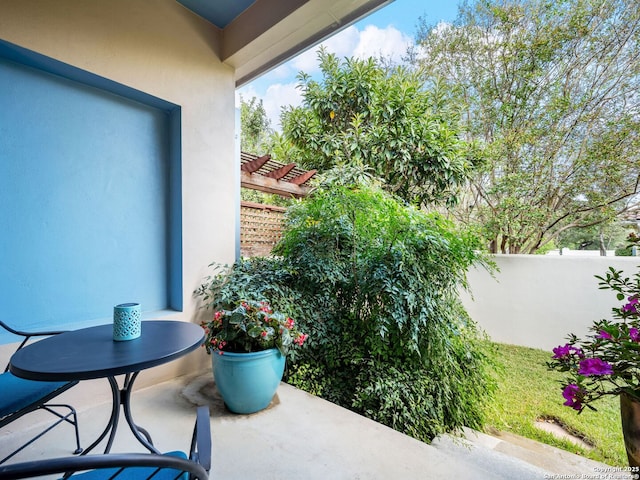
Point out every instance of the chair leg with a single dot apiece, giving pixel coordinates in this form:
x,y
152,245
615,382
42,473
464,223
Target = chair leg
x,y
71,417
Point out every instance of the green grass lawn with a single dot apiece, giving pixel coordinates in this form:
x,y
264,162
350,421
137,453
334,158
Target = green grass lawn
x,y
527,391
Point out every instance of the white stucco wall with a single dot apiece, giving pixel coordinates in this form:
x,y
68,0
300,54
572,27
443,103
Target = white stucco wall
x,y
160,48
536,301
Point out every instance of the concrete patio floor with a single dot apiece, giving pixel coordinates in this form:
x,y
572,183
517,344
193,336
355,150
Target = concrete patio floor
x,y
298,437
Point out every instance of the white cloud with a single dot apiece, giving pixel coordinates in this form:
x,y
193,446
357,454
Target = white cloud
x,y
373,41
277,96
342,44
387,42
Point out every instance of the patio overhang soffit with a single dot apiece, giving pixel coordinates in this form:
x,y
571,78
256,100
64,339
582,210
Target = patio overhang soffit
x,y
258,35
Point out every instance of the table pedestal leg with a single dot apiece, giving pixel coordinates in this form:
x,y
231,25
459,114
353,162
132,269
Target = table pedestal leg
x,y
113,419
122,397
140,433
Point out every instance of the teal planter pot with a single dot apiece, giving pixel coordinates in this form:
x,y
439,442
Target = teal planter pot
x,y
248,381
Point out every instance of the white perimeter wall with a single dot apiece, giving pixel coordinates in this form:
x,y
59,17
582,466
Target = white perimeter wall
x,y
536,301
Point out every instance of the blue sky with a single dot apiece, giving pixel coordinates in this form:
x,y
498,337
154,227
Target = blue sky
x,y
387,31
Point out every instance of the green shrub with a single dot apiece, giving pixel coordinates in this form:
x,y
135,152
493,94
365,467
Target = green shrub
x,y
624,252
388,336
251,278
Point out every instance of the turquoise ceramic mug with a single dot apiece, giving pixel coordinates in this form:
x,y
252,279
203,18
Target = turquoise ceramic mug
x,y
127,321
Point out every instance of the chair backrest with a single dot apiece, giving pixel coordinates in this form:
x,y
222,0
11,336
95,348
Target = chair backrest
x,y
26,336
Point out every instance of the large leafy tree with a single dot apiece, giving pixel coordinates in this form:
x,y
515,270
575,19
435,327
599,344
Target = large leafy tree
x,y
255,126
597,237
386,118
550,90
257,135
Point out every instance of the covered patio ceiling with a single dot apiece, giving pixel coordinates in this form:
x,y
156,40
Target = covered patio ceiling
x,y
258,35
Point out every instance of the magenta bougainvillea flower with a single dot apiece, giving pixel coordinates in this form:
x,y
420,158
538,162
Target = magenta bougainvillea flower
x,y
573,396
594,366
632,306
566,350
562,351
604,335
634,335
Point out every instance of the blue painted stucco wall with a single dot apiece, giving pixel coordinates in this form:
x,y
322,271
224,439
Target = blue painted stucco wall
x,y
153,96
90,194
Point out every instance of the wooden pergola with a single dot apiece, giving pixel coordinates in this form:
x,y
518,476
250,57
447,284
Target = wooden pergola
x,y
267,175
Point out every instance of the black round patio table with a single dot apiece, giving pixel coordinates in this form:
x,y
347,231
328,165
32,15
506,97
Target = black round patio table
x,y
91,353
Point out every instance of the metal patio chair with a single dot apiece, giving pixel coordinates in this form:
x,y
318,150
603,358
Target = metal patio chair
x,y
127,466
19,397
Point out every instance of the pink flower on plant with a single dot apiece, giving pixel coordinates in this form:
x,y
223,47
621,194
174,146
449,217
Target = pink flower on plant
x,y
561,351
265,307
594,366
634,335
573,395
299,340
632,306
566,350
289,323
217,317
604,335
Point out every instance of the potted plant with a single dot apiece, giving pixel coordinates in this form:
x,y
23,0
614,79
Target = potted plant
x,y
249,342
607,361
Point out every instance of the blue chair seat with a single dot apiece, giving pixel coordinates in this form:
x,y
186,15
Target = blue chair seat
x,y
19,393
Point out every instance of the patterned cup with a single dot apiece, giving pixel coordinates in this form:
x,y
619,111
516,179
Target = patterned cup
x,y
126,321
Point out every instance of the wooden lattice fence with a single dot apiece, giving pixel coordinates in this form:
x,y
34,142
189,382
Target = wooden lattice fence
x,y
260,228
